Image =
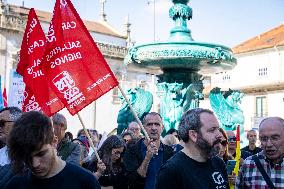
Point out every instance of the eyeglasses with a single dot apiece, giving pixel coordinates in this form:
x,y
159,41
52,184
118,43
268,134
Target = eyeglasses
x,y
232,139
224,143
134,129
273,139
2,123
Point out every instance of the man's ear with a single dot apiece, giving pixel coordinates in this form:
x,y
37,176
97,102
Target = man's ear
x,y
192,135
55,141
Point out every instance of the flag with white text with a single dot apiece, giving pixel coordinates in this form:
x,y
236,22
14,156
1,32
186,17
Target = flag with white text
x,y
38,95
72,61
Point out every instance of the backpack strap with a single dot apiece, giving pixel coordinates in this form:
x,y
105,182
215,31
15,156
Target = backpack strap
x,y
263,172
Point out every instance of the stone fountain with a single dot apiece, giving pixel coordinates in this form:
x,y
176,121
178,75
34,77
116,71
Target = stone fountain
x,y
183,62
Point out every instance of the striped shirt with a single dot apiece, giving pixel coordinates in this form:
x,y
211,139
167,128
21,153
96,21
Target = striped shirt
x,y
250,176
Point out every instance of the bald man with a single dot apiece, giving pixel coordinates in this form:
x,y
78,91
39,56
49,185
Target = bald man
x,y
252,138
271,136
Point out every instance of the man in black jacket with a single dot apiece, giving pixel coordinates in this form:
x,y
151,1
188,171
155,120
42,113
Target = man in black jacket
x,y
144,158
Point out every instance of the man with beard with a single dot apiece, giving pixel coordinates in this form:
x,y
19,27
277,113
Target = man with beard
x,y
265,169
143,159
196,166
32,150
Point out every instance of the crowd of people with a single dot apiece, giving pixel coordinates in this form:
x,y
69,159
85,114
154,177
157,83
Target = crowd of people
x,y
37,152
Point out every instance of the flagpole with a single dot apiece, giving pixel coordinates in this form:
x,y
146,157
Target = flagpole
x,y
238,156
134,113
89,138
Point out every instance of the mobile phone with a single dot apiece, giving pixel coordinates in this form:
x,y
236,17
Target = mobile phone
x,y
230,166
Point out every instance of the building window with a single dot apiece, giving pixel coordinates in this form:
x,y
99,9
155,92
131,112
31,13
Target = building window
x,y
115,91
262,72
226,77
115,96
261,106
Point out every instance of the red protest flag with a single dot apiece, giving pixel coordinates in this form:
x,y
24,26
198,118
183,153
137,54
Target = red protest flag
x,y
38,94
73,62
5,99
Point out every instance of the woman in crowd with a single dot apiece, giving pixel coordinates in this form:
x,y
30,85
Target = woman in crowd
x,y
170,140
110,170
85,146
223,154
223,151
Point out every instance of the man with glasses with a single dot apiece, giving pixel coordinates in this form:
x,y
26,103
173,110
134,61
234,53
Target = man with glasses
x,y
265,169
196,166
143,159
7,118
135,129
232,146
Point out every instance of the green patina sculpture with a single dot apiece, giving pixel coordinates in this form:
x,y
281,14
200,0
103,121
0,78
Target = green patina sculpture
x,y
182,62
176,98
226,105
141,102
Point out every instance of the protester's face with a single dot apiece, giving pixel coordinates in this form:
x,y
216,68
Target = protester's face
x,y
209,135
6,125
59,131
271,135
42,161
232,141
222,146
94,138
116,153
175,134
135,129
252,137
153,126
127,138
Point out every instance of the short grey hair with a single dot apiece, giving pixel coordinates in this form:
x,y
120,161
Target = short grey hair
x,y
14,112
58,119
281,120
191,121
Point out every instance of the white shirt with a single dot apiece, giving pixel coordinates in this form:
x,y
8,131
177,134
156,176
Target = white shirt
x,y
4,159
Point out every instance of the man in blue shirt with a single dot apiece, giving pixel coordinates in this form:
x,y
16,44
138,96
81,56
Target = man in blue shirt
x,y
144,158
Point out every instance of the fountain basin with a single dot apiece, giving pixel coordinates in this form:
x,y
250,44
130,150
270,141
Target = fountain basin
x,y
204,58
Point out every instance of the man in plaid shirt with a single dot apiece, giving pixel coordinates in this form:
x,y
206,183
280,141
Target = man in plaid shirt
x,y
271,135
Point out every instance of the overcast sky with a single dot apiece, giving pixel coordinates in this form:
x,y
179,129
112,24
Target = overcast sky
x,y
227,22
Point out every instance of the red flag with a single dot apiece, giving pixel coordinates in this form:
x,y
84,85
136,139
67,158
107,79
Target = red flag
x,y
5,100
73,62
38,94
